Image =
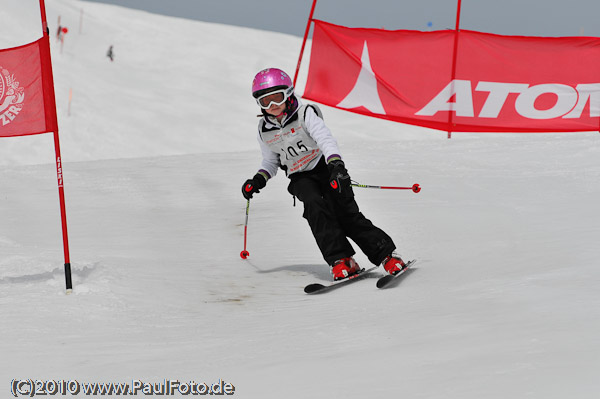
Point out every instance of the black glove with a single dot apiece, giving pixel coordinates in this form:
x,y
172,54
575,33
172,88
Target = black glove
x,y
253,185
339,179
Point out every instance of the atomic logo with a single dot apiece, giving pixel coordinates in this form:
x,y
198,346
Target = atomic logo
x,y
364,93
11,97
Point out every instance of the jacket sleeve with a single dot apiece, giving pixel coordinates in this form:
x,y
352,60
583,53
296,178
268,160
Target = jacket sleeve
x,y
270,160
321,135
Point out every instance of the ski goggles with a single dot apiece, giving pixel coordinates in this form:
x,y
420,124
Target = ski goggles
x,y
276,97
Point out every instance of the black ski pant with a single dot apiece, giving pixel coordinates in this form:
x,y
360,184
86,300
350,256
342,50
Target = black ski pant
x,y
334,217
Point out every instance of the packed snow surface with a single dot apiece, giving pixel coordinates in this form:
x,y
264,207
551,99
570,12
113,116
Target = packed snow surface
x,y
503,302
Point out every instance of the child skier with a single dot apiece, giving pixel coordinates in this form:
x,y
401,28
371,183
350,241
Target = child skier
x,y
294,137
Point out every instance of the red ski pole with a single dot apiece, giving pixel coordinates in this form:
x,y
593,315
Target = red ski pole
x,y
244,254
415,187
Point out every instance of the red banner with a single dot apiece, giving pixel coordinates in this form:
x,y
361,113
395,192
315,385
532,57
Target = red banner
x,y
500,84
26,98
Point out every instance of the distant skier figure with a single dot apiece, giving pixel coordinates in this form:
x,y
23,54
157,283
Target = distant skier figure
x,y
294,137
59,33
110,53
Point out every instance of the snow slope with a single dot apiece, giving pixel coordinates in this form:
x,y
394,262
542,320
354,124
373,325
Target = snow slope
x,y
503,302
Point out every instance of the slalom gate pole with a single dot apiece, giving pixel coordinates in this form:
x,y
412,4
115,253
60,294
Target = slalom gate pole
x,y
454,58
244,254
415,187
310,18
52,120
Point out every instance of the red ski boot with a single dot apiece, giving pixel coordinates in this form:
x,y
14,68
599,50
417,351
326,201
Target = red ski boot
x,y
344,268
393,264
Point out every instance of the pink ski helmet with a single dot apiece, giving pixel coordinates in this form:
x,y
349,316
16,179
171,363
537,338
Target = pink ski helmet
x,y
271,79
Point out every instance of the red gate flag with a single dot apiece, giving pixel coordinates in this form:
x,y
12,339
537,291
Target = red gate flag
x,y
501,83
27,106
26,96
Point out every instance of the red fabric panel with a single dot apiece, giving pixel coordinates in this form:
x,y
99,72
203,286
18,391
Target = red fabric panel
x,y
22,101
502,83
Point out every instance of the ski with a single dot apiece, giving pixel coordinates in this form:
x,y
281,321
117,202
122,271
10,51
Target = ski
x,y
388,278
320,288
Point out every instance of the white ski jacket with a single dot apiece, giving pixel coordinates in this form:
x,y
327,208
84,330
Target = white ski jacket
x,y
297,144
